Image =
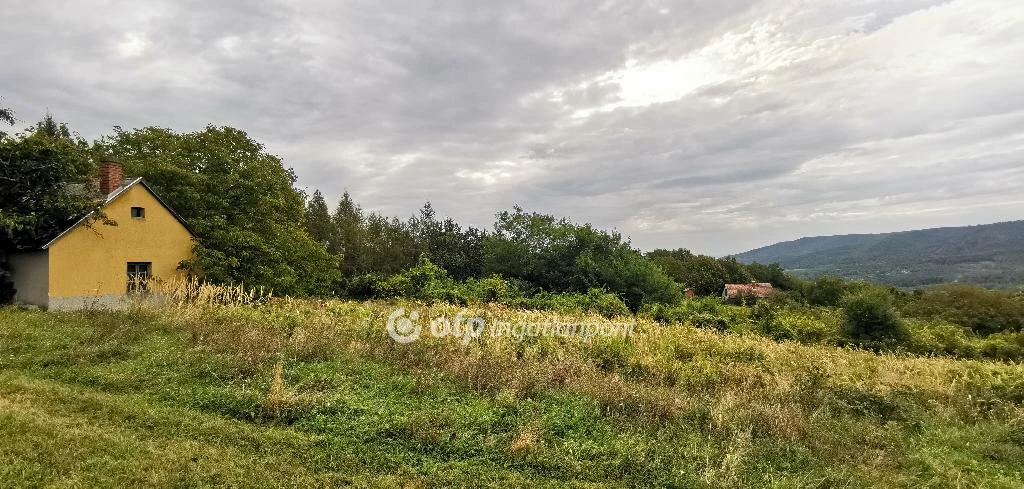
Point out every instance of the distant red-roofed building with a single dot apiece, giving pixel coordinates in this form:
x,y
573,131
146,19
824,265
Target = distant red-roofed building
x,y
746,292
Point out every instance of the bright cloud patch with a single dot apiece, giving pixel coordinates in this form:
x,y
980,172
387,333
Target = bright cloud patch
x,y
132,45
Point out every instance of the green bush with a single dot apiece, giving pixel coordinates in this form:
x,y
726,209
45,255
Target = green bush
x,y
493,289
606,303
425,281
826,291
789,321
595,300
702,312
937,337
429,283
360,287
1004,346
983,311
870,319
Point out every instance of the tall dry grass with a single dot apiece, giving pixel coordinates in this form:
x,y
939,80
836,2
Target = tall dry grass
x,y
191,291
735,384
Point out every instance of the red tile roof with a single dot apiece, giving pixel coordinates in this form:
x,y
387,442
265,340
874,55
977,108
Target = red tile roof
x,y
758,290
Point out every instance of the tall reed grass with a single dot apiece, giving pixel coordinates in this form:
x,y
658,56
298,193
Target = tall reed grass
x,y
189,290
734,382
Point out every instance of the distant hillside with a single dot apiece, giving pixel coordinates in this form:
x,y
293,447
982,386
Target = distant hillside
x,y
991,255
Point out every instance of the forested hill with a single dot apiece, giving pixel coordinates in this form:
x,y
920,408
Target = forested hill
x,y
991,255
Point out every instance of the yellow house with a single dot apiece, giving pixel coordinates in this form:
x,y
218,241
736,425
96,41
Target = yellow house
x,y
92,264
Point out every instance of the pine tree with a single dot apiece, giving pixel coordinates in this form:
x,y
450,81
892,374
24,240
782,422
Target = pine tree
x,y
349,230
318,220
427,231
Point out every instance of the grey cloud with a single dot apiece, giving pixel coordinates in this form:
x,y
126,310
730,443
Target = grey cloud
x,y
803,118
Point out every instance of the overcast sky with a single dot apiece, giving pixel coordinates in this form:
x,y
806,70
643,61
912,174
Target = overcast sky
x,y
718,126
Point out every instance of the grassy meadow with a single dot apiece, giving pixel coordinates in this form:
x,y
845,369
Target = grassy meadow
x,y
315,393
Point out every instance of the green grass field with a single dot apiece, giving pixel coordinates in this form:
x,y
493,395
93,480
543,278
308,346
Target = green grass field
x,y
187,396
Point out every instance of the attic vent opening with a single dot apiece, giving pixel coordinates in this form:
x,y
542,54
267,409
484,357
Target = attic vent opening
x,y
138,212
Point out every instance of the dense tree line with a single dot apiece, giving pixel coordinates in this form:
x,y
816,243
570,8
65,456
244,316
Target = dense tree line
x,y
536,252
254,227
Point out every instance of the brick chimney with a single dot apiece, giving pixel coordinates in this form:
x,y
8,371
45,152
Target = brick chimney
x,y
111,176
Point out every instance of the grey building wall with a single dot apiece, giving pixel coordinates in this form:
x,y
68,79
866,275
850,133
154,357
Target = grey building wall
x,y
30,273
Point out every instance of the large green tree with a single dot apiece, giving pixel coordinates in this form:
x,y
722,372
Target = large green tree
x,y
560,256
389,244
239,199
45,173
774,274
45,176
704,274
735,272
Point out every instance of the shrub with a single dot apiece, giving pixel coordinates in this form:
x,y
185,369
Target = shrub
x,y
425,281
491,289
709,320
870,319
360,287
702,312
1004,346
826,291
788,321
765,317
600,301
936,337
606,303
429,283
983,311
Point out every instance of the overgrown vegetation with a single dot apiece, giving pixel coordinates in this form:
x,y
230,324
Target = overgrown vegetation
x,y
870,319
867,316
828,311
314,393
979,310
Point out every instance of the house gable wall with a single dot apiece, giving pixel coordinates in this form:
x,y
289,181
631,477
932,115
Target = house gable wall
x,y
89,263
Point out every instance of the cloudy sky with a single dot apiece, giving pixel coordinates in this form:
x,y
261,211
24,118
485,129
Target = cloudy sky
x,y
714,125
